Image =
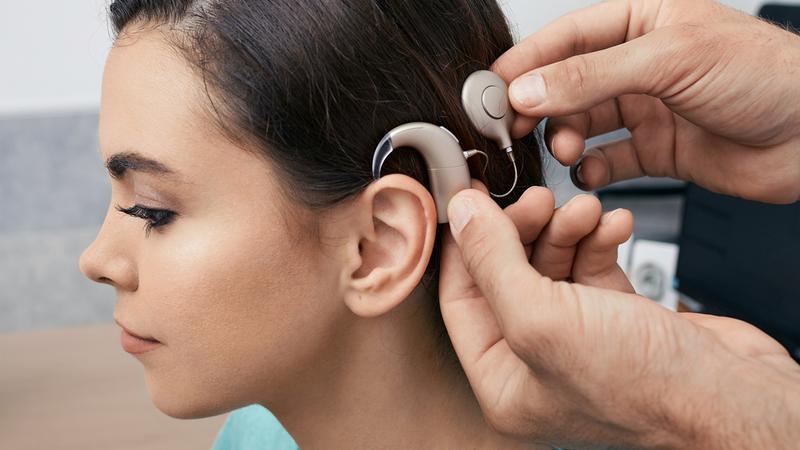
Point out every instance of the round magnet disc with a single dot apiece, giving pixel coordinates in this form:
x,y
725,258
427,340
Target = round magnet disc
x,y
494,102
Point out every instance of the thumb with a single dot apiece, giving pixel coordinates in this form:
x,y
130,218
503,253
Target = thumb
x,y
492,253
581,82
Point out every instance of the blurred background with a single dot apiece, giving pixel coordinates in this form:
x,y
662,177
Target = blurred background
x,y
708,252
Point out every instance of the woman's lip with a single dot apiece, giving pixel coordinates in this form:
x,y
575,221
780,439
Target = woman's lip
x,y
146,338
134,344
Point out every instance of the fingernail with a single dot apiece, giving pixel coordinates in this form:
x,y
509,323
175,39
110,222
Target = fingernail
x,y
552,147
460,211
607,217
579,173
529,89
576,174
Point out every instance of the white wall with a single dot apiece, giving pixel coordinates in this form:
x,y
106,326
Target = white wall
x,y
52,54
530,15
52,51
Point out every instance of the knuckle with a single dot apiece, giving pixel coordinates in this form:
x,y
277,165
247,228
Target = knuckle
x,y
496,421
479,255
597,248
519,419
503,418
682,52
576,72
478,243
579,44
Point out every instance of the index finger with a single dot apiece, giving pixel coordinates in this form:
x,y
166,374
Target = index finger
x,y
593,28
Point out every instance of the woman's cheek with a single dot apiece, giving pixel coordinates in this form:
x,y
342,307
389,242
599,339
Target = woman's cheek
x,y
210,276
220,286
215,312
236,300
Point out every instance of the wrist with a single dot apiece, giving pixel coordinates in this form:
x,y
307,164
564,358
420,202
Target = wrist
x,y
751,405
688,404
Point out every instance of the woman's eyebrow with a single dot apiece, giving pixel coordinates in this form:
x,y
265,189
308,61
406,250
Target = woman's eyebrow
x,y
118,163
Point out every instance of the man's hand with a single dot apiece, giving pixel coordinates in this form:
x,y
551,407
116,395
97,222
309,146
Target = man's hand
x,y
709,94
579,366
575,242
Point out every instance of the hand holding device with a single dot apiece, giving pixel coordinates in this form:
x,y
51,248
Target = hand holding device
x,y
709,94
594,365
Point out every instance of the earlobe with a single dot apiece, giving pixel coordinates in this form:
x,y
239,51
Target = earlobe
x,y
393,232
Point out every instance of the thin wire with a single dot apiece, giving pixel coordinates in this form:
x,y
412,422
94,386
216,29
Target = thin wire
x,y
511,157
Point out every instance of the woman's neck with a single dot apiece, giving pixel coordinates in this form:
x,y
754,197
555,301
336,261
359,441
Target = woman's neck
x,y
386,387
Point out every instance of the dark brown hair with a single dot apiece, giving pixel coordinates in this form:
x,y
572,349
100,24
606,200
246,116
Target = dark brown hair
x,y
313,85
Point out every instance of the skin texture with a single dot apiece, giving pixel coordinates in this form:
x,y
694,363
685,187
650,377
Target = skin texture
x,y
331,335
584,367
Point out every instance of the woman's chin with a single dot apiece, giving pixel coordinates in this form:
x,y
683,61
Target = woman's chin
x,y
180,404
182,409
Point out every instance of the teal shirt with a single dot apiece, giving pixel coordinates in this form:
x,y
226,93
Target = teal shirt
x,y
253,428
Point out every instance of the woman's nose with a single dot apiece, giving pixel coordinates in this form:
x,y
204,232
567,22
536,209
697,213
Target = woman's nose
x,y
107,260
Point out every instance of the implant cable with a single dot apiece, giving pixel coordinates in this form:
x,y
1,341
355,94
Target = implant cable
x,y
509,152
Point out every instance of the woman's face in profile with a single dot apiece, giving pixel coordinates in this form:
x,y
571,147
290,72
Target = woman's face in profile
x,y
240,306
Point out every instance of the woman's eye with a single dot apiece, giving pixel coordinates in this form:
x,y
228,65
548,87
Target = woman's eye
x,y
154,218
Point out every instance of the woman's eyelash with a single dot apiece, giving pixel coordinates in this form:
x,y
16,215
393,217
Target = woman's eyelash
x,y
155,217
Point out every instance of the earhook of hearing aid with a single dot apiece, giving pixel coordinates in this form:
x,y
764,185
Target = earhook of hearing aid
x,y
485,100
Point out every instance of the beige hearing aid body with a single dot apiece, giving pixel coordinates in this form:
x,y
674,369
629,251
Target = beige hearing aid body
x,y
484,97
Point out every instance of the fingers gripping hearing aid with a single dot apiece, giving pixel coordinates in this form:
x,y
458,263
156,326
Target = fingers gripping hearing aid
x,y
485,100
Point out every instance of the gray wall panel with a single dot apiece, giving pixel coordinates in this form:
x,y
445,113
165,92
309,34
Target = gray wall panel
x,y
53,196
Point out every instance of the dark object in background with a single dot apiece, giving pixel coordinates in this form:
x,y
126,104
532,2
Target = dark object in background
x,y
741,259
785,15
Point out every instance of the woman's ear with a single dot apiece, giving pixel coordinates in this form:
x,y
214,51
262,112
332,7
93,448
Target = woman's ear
x,y
391,228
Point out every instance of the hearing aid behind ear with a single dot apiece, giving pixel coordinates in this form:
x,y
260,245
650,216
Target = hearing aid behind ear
x,y
485,100
447,165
